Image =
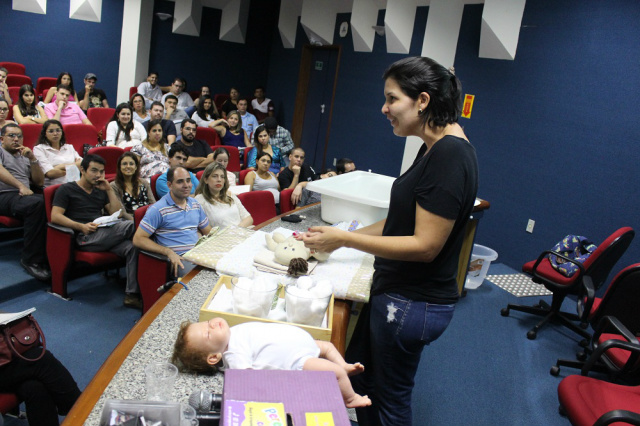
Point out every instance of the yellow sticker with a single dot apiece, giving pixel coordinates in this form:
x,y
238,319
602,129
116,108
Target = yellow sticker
x,y
467,106
319,419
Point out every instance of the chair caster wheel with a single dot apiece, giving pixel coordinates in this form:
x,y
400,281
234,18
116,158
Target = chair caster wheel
x,y
531,335
504,312
581,356
555,370
583,343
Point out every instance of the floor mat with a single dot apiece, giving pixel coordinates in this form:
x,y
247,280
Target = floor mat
x,y
519,285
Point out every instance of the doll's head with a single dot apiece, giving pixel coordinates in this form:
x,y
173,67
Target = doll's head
x,y
199,346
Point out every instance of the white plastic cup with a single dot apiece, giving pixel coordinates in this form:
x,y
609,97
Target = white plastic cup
x,y
161,378
305,310
252,301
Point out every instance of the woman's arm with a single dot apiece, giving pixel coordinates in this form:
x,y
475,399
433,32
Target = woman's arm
x,y
430,234
43,115
20,119
112,127
146,184
249,179
246,222
52,91
221,130
246,139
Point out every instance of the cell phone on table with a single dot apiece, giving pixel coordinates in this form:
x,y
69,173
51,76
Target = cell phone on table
x,y
292,218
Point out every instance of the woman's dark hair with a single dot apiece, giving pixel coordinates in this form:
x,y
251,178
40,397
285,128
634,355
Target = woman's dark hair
x,y
22,106
205,113
89,158
256,133
59,82
263,154
163,141
135,179
144,105
42,139
219,151
415,75
128,127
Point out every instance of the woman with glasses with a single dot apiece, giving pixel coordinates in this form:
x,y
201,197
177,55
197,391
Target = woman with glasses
x,y
54,154
4,111
27,110
140,113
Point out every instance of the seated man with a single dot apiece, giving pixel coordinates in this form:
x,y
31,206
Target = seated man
x,y
90,96
77,204
178,156
262,106
168,128
249,121
150,90
345,165
296,176
280,137
176,89
18,165
64,111
173,222
200,153
172,112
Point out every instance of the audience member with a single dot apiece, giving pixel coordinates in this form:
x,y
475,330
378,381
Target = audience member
x,y
168,128
27,110
66,79
230,104
221,155
345,165
64,111
152,151
164,232
231,132
222,208
262,106
46,386
172,112
132,191
149,90
4,89
77,204
200,153
204,91
90,96
138,105
261,179
178,156
4,112
122,130
261,142
54,154
296,175
183,99
249,121
206,114
280,137
18,166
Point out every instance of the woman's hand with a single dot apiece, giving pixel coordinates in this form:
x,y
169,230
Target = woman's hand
x,y
323,238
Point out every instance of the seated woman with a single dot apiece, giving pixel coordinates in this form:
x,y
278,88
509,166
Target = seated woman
x,y
27,110
221,155
54,154
231,132
63,78
221,207
262,179
4,112
123,131
230,104
207,114
140,113
261,142
204,91
132,191
152,151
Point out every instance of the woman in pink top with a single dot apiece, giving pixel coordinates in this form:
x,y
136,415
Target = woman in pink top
x,y
63,78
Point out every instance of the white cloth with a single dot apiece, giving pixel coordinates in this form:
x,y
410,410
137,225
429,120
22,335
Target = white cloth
x,y
262,107
201,122
150,93
268,346
50,157
221,214
140,119
184,100
138,134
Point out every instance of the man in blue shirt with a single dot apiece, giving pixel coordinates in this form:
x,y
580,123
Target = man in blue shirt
x,y
178,156
173,222
249,121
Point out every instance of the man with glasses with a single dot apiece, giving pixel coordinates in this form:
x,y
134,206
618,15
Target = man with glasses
x,y
18,166
176,89
200,153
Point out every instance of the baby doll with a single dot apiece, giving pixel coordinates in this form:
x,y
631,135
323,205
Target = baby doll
x,y
262,346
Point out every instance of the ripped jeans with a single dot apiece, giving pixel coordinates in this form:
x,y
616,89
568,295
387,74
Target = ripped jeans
x,y
388,340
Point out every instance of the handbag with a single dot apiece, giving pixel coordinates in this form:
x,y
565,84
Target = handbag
x,y
19,336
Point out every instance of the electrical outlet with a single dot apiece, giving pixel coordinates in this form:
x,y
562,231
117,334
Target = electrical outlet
x,y
335,161
530,226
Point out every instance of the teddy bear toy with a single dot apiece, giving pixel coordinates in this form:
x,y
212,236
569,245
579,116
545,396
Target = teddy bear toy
x,y
292,253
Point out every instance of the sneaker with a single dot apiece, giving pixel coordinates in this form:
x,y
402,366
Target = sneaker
x,y
132,300
36,271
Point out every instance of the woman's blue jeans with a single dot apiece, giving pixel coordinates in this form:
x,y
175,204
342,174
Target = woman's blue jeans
x,y
389,337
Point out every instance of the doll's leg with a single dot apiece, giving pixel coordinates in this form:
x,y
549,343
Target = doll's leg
x,y
351,399
329,352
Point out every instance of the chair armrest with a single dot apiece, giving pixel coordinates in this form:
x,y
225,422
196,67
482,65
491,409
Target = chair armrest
x,y
589,293
561,256
61,228
157,256
631,344
618,416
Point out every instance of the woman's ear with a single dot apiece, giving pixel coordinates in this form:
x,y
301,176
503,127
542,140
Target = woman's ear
x,y
423,100
213,359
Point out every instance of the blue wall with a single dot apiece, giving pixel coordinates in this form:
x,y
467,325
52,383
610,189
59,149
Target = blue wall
x,y
52,43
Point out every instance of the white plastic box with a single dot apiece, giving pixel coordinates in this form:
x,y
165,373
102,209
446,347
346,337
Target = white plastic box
x,y
481,259
358,195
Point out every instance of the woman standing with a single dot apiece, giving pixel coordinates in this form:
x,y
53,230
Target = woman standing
x,y
235,134
123,131
132,191
152,151
26,110
207,114
54,154
140,113
417,246
262,179
63,78
221,207
221,155
261,142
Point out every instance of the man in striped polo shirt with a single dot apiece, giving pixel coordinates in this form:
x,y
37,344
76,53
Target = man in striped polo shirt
x,y
170,226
